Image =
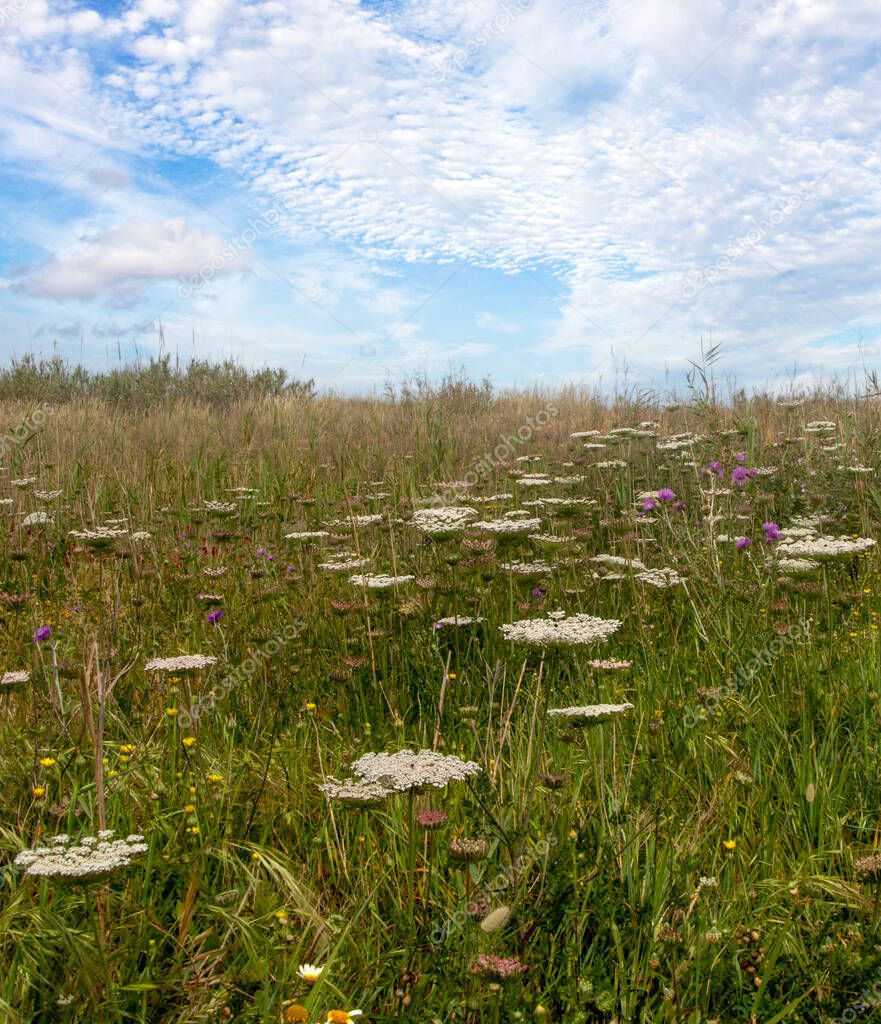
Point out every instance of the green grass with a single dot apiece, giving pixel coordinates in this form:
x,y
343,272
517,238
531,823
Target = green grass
x,y
770,786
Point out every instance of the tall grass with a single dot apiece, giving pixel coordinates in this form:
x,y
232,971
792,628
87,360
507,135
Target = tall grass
x,y
770,790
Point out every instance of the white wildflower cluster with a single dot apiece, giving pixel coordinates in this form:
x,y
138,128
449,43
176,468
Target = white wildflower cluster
x,y
181,663
379,582
796,566
561,504
581,434
99,536
307,535
825,547
214,572
492,498
353,792
94,858
221,508
457,620
535,480
47,495
365,520
630,563
592,446
589,714
406,769
537,568
856,470
560,630
6,502
24,481
37,519
438,521
660,578
508,526
821,427
610,464
608,665
14,677
141,535
344,561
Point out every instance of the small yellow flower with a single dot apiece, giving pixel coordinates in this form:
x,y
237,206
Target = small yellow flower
x,y
112,773
127,748
310,706
190,809
295,1013
193,830
39,791
189,741
214,777
452,675
255,856
47,762
729,844
573,834
281,916
342,1016
171,712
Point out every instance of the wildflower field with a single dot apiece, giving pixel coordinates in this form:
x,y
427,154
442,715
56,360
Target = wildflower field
x,y
445,706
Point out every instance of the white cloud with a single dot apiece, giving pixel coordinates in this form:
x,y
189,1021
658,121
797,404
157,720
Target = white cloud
x,y
122,261
616,149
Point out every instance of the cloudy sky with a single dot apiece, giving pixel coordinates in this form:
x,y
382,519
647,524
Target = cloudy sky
x,y
538,190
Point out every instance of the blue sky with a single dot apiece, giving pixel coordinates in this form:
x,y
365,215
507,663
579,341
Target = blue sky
x,y
537,190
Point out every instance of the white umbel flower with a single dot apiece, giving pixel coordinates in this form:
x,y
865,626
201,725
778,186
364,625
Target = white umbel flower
x,y
825,547
379,582
589,714
181,663
93,859
37,519
570,631
508,527
406,769
439,521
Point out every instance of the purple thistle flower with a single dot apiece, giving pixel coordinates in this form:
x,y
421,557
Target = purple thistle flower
x,y
772,532
742,542
679,506
740,457
665,494
215,615
43,633
716,467
648,504
740,474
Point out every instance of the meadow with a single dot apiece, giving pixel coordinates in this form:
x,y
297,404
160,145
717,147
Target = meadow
x,y
632,647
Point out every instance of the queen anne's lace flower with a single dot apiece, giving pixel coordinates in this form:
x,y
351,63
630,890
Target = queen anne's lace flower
x,y
38,519
14,678
508,526
825,547
379,582
93,859
660,578
589,713
564,632
181,663
434,521
307,535
407,770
